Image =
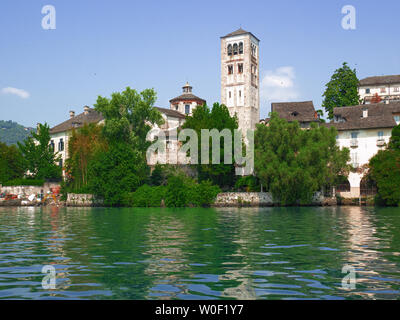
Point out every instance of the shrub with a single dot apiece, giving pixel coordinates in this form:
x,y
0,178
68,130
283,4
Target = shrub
x,y
248,184
176,194
145,196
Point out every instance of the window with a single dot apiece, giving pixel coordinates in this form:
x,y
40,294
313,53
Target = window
x,y
229,49
229,94
396,89
52,145
380,135
240,93
187,109
235,49
176,107
60,163
61,145
354,159
383,90
368,90
253,50
240,47
230,69
240,68
354,135
397,119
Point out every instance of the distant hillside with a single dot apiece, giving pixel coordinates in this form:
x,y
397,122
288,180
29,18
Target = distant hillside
x,y
12,132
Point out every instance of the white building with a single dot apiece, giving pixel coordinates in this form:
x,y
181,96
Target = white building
x,y
240,77
364,129
386,87
60,133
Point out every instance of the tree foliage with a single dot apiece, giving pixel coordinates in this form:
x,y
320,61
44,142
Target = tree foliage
x,y
39,157
220,119
129,116
384,170
83,144
114,172
341,90
293,163
11,163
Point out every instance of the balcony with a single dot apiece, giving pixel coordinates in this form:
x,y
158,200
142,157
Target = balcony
x,y
380,142
354,143
354,165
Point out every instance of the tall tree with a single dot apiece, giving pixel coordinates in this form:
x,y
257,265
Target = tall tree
x,y
40,159
294,163
216,118
129,116
11,163
82,146
122,168
341,90
384,170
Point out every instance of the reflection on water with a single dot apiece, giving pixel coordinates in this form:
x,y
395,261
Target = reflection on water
x,y
248,253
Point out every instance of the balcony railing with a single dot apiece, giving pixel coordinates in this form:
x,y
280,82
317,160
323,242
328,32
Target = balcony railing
x,y
354,143
380,142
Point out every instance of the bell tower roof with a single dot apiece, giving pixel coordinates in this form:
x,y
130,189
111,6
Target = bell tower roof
x,y
239,32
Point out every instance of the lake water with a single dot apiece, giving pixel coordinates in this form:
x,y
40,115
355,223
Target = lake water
x,y
265,253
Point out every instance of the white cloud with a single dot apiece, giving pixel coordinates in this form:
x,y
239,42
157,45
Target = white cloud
x,y
278,85
18,92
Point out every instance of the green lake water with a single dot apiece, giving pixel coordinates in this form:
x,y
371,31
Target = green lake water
x,y
248,253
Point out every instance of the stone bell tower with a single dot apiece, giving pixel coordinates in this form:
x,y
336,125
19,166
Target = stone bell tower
x,y
240,77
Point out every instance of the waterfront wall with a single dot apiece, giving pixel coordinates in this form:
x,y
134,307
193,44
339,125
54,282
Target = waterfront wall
x,y
261,199
82,200
28,190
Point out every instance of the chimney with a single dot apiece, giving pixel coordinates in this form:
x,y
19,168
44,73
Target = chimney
x,y
72,114
86,109
365,113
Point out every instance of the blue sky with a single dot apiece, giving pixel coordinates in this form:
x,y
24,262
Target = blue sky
x,y
99,47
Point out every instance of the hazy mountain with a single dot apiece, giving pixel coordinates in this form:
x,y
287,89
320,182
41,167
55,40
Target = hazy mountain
x,y
12,132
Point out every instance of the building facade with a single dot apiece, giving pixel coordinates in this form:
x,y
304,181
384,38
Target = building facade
x,y
387,88
186,102
364,129
240,77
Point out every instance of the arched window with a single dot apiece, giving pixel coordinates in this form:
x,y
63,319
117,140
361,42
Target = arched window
x,y
229,49
235,48
240,47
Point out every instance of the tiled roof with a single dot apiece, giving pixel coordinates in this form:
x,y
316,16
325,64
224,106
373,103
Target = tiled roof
x,y
380,80
171,113
239,32
291,111
78,121
380,115
187,97
93,117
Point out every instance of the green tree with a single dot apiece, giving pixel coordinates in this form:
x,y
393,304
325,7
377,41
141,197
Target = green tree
x,y
11,163
83,144
129,116
220,119
122,168
341,90
384,170
117,171
39,157
293,163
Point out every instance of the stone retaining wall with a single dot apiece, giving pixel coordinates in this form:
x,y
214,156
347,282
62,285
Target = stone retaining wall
x,y
28,190
82,200
260,199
